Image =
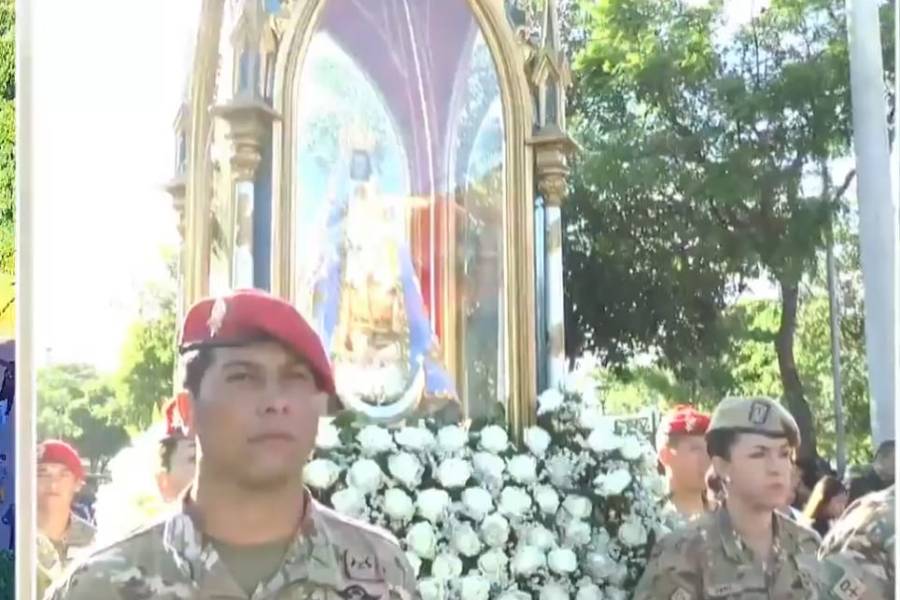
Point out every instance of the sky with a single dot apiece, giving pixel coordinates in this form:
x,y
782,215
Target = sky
x,y
108,77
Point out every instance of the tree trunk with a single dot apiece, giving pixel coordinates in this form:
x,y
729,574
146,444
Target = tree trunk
x,y
787,367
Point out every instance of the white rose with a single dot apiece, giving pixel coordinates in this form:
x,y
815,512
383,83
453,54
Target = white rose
x,y
422,539
578,533
495,530
562,561
561,470
494,439
547,499
514,595
452,438
537,440
349,501
589,591
514,502
415,438
540,537
465,541
328,436
615,594
477,502
632,449
431,589
614,483
366,476
592,417
415,562
600,540
397,505
493,565
454,473
374,440
475,587
446,567
406,469
553,591
550,401
321,473
632,533
527,561
523,468
600,566
488,468
433,504
602,441
578,507
619,575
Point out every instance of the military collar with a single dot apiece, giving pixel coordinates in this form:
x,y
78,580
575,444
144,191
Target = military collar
x,y
734,545
198,559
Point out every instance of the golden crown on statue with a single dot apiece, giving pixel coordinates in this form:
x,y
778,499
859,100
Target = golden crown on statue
x,y
358,136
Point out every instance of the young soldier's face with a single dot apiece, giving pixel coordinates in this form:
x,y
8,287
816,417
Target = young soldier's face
x,y
687,461
759,470
56,487
257,414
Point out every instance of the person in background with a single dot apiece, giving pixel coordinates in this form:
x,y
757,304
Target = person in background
x,y
177,457
826,504
61,533
879,476
858,556
681,450
744,549
788,509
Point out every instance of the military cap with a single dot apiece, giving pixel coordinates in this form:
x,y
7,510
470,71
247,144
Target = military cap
x,y
61,453
245,316
754,415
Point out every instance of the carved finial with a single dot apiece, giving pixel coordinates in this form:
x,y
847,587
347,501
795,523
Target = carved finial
x,y
551,37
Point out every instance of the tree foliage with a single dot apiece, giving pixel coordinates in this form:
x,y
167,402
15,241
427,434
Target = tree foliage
x,y
144,380
7,136
76,404
699,145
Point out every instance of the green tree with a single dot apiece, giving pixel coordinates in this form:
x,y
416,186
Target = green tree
x,y
7,136
144,380
76,404
698,148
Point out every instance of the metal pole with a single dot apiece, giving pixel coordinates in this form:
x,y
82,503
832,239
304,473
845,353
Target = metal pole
x,y
879,223
835,313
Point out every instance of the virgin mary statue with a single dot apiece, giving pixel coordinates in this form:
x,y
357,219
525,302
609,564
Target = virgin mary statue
x,y
368,306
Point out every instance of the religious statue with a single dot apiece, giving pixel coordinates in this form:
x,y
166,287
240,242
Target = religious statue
x,y
367,303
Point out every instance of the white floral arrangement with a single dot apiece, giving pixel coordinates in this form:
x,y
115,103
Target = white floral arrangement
x,y
571,513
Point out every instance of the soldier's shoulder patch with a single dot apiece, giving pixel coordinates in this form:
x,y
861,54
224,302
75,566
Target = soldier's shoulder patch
x,y
849,588
681,594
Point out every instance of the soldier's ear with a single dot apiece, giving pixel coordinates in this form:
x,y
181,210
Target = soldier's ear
x,y
722,468
665,455
184,404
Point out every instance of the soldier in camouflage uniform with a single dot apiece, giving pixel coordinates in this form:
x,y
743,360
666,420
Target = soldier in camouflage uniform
x,y
744,549
681,451
61,534
857,556
258,380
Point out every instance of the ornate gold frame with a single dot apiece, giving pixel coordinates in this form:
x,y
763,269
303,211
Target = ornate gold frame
x,y
518,284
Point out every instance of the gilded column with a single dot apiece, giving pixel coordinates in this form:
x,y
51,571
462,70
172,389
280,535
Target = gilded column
x,y
552,145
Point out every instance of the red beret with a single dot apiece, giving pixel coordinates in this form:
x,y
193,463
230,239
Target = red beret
x,y
58,452
684,419
245,316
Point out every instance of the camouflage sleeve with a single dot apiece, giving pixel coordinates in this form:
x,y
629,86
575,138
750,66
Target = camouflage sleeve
x,y
400,577
671,573
840,577
83,583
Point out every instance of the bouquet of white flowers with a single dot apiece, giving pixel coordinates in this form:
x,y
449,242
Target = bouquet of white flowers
x,y
571,513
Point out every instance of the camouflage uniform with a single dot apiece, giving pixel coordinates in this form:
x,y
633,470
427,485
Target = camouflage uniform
x,y
332,557
54,557
857,556
707,559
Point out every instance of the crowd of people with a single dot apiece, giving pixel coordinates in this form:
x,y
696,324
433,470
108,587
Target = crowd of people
x,y
235,520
